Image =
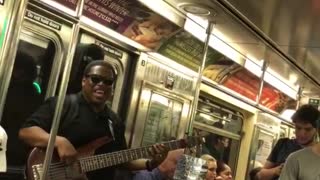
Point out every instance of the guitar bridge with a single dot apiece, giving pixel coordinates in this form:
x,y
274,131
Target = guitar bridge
x,y
58,173
37,171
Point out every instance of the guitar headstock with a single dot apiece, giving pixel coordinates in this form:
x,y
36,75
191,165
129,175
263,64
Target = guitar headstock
x,y
191,141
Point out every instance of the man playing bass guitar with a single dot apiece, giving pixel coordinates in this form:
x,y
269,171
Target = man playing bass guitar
x,y
86,118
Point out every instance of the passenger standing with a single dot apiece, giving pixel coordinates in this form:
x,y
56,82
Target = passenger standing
x,y
211,166
85,119
305,119
303,164
215,145
21,101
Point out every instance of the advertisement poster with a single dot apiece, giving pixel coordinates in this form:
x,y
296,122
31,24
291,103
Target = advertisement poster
x,y
186,50
248,85
265,142
242,81
131,19
72,4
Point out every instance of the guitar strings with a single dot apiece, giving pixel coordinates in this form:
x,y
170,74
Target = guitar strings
x,y
58,169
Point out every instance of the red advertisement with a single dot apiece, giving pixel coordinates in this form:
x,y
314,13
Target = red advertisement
x,y
131,19
72,4
245,83
248,85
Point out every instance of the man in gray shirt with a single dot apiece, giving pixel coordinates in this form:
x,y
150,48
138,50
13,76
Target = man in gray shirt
x,y
303,165
305,121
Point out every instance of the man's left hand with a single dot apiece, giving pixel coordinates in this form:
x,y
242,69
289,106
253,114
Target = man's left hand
x,y
158,153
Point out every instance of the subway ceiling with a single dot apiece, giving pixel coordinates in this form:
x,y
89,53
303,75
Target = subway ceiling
x,y
285,33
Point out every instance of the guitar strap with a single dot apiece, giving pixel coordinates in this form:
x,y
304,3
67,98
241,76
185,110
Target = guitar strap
x,y
74,106
70,109
111,129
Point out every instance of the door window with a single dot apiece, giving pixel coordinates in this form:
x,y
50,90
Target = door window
x,y
163,119
27,90
220,147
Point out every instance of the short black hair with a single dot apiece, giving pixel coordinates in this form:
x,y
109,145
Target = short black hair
x,y
98,63
306,114
221,166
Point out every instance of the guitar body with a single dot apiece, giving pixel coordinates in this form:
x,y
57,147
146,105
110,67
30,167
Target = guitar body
x,y
57,169
62,171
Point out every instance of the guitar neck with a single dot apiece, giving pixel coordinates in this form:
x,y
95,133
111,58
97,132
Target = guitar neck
x,y
92,163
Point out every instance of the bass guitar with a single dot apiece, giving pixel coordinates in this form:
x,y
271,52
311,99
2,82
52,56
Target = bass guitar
x,y
87,162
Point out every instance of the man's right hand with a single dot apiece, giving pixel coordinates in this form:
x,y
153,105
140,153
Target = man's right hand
x,y
277,170
66,151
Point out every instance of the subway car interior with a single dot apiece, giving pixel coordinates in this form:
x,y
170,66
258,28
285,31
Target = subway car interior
x,y
230,71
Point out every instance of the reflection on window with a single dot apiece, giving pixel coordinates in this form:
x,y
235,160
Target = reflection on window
x,y
162,120
218,116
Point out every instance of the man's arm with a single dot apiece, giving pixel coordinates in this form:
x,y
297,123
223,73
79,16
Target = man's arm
x,y
158,152
37,137
34,136
155,174
269,171
164,170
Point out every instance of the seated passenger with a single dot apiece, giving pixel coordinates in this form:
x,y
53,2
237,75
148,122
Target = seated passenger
x,y
305,119
223,171
211,165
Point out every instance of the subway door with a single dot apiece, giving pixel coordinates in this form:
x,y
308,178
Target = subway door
x,y
163,105
34,78
90,48
160,116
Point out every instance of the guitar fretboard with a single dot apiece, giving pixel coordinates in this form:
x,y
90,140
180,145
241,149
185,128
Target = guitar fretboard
x,y
115,158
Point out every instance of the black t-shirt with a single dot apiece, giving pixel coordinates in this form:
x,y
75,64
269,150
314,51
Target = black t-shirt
x,y
282,150
82,128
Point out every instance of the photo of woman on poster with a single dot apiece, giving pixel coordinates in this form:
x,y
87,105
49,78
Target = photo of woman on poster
x,y
149,28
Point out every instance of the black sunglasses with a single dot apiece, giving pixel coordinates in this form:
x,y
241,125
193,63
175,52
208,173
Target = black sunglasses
x,y
97,79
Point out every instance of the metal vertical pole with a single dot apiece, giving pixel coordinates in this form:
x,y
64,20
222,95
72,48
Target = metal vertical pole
x,y
263,69
60,101
10,46
299,95
80,8
200,72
